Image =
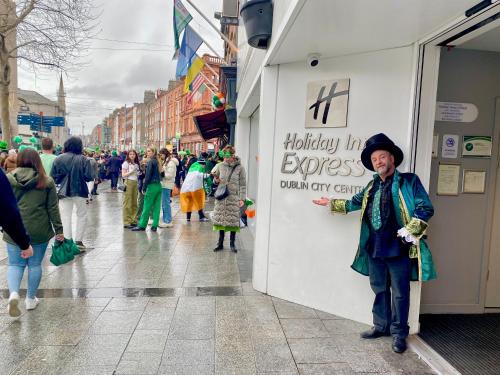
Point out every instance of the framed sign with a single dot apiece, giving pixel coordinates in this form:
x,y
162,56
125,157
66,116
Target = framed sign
x,y
326,103
449,150
474,181
476,145
448,177
456,112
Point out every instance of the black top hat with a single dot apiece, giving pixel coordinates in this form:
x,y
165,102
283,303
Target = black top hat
x,y
380,142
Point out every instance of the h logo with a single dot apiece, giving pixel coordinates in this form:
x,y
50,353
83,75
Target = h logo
x,y
335,103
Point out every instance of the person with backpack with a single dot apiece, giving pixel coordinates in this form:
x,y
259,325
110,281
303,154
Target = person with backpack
x,y
37,200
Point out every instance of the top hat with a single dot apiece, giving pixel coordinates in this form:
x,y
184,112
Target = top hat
x,y
380,142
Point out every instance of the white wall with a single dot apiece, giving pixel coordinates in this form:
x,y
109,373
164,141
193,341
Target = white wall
x,y
302,252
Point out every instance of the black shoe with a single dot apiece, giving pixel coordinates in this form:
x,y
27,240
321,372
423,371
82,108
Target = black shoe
x,y
234,249
95,193
130,226
154,229
399,344
138,229
219,247
373,333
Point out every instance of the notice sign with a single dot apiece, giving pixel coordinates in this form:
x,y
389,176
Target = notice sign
x,y
326,104
475,145
456,112
450,146
448,177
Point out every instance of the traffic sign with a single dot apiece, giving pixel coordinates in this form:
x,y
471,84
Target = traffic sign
x,y
53,121
24,119
40,123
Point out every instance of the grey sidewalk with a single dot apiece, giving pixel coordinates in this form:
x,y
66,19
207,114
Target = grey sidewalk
x,y
165,303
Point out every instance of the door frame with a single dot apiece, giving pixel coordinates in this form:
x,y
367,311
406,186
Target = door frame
x,y
424,105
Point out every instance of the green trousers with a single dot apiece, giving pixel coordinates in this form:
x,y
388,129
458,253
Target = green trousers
x,y
152,201
130,202
140,206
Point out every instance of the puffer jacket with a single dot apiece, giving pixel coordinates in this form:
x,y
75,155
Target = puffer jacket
x,y
39,207
170,171
80,172
227,211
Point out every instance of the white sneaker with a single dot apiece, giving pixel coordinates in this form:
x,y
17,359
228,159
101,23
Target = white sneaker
x,y
162,225
13,307
31,303
169,225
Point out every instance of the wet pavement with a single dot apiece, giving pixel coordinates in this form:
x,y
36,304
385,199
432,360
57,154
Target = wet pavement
x,y
164,303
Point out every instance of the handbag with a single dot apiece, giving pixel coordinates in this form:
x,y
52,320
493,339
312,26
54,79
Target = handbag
x,y
63,188
121,185
63,252
222,191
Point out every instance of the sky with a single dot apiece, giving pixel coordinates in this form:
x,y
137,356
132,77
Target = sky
x,y
132,52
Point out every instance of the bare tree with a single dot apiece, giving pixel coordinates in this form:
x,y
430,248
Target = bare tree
x,y
41,33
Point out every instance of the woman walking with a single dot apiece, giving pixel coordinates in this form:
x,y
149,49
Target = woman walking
x,y
226,216
130,170
152,192
169,168
37,199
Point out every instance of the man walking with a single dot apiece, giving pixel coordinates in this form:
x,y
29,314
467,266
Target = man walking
x,y
395,209
47,155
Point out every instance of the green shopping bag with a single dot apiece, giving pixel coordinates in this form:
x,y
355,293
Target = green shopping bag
x,y
63,252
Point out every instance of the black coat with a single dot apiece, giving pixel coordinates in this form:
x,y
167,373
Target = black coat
x,y
79,170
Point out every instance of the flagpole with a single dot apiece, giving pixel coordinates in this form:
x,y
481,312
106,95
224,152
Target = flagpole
x,y
231,44
208,81
210,47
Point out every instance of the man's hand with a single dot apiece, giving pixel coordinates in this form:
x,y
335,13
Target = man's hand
x,y
322,202
60,237
25,254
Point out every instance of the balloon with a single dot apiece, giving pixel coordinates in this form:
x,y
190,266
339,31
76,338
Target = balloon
x,y
33,140
219,95
23,147
222,100
17,139
215,97
217,103
3,145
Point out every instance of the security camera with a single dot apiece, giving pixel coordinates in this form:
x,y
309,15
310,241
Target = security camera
x,y
313,59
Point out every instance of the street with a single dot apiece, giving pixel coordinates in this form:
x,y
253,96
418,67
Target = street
x,y
165,303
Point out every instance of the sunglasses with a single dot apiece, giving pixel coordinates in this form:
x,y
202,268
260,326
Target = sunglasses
x,y
225,154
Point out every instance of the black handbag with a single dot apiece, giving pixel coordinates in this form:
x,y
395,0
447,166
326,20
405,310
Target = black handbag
x,y
222,191
62,189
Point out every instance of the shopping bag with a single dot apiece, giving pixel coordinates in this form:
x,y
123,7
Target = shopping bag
x,y
63,252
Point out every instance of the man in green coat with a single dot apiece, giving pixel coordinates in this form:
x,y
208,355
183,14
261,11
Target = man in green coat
x,y
395,209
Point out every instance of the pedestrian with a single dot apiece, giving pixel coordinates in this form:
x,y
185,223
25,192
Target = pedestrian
x,y
95,174
152,192
169,169
113,165
192,196
37,200
47,154
229,174
11,161
71,171
395,209
130,170
140,183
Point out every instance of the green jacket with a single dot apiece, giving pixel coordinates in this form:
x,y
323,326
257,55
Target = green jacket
x,y
413,209
39,207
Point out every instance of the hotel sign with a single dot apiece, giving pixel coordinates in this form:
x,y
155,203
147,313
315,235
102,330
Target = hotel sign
x,y
326,105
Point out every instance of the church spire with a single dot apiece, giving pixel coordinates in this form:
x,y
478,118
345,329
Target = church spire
x,y
61,95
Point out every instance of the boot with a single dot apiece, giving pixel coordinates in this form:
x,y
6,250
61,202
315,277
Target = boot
x,y
220,244
232,238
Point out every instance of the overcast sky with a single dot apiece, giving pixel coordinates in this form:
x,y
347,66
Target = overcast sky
x,y
114,76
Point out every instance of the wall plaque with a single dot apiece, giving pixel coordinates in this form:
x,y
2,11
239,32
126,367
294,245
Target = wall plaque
x,y
326,104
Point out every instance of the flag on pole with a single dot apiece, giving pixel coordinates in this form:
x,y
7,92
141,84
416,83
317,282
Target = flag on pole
x,y
194,87
194,69
181,20
191,41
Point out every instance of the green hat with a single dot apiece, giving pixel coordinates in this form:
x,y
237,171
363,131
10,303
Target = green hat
x,y
114,153
3,145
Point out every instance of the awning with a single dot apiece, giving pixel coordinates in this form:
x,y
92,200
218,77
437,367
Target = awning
x,y
212,125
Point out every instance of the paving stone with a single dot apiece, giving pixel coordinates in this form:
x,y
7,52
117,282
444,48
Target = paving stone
x,y
86,370
344,326
116,322
196,305
43,360
139,363
192,327
127,304
326,316
147,341
304,328
233,353
366,362
98,350
319,350
286,309
325,369
240,370
186,370
273,355
156,318
189,352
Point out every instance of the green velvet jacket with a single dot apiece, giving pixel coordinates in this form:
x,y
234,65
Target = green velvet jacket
x,y
413,210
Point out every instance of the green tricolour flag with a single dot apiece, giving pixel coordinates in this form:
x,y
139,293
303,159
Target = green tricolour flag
x,y
181,20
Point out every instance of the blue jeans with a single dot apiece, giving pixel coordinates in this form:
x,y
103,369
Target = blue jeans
x,y
165,205
17,265
390,281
